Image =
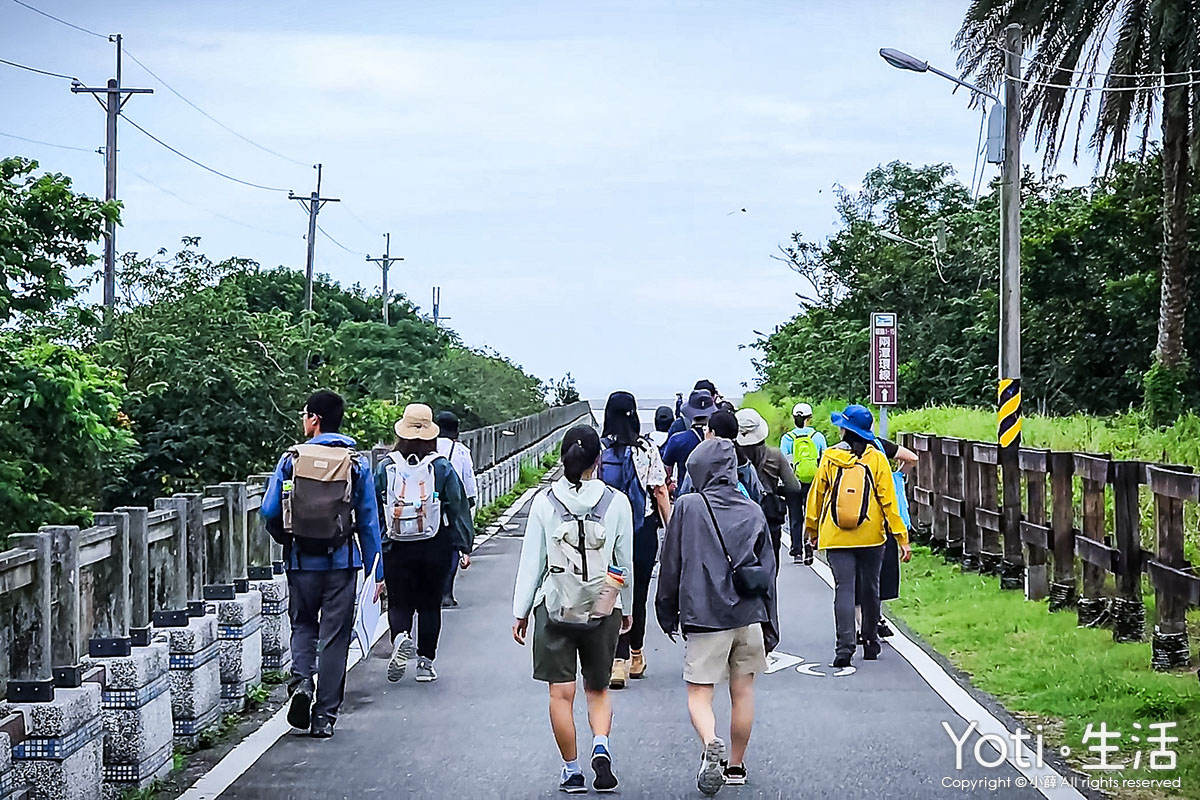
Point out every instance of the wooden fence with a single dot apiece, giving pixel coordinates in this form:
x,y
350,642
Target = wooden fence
x,y
65,591
1040,520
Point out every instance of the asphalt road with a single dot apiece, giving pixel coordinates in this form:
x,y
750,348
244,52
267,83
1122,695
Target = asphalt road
x,y
481,731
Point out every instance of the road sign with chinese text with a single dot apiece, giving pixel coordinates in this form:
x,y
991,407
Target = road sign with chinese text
x,y
883,359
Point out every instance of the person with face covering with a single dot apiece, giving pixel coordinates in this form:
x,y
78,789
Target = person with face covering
x,y
425,517
631,464
716,586
782,491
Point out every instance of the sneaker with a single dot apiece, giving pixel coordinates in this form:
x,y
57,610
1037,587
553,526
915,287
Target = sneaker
x,y
605,780
620,674
711,776
885,630
321,729
403,651
735,775
301,706
425,671
797,559
808,560
572,783
637,664
840,662
858,639
449,602
871,650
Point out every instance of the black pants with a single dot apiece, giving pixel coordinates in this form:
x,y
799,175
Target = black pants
x,y
321,609
645,553
856,579
800,545
448,593
415,575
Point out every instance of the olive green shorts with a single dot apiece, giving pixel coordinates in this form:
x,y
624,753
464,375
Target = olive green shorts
x,y
560,654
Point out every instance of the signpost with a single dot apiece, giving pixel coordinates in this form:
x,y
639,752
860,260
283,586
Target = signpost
x,y
883,365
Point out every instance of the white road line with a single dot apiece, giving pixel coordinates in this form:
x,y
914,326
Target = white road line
x,y
970,709
245,753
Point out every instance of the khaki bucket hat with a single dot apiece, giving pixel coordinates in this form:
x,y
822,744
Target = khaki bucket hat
x,y
417,423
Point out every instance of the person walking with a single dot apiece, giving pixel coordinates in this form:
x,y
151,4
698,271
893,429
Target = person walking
x,y
319,504
889,570
682,423
716,586
578,530
803,447
663,417
724,425
426,520
679,446
630,463
851,512
781,498
459,456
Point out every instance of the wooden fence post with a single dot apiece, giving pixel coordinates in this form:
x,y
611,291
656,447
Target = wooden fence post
x,y
139,574
1012,567
1063,591
1128,610
1092,546
937,473
987,514
1174,585
31,656
952,502
1034,532
972,538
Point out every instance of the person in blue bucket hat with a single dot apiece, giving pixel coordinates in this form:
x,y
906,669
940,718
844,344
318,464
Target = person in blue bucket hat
x,y
852,511
699,407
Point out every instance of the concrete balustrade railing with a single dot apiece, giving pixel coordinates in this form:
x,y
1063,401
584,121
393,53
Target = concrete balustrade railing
x,y
132,636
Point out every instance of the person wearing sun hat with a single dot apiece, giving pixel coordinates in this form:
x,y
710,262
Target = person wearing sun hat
x,y
781,490
851,512
696,411
418,546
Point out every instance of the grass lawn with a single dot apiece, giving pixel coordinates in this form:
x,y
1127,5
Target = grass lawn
x,y
1047,671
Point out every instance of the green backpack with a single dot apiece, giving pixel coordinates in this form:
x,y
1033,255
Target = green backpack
x,y
804,457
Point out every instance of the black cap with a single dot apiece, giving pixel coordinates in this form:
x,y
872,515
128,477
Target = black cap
x,y
447,422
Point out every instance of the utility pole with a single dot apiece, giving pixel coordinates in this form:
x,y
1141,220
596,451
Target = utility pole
x,y
313,206
115,97
1009,401
437,307
385,263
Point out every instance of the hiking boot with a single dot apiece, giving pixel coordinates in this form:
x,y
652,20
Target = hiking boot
x,y
711,776
840,662
301,705
858,639
605,780
449,602
637,664
321,729
572,783
735,775
425,671
871,650
620,674
403,651
797,558
885,630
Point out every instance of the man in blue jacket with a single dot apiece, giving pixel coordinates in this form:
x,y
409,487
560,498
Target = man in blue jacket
x,y
305,510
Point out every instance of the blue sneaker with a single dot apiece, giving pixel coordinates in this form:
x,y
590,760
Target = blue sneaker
x,y
572,782
605,780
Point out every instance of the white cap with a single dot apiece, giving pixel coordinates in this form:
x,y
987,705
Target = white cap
x,y
802,410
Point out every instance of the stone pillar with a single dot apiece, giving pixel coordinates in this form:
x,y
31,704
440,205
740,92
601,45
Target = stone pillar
x,y
276,624
239,638
63,755
136,713
194,668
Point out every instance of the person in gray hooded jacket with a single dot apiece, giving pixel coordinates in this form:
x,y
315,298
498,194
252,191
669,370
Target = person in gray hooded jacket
x,y
711,532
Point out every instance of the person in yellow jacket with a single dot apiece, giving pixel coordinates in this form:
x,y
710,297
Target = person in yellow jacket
x,y
851,512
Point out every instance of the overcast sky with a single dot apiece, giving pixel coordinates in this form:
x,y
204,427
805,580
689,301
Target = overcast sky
x,y
564,171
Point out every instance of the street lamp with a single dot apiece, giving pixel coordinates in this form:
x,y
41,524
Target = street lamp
x,y
935,245
1009,407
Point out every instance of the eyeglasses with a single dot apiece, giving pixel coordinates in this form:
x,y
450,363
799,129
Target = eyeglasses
x,y
305,414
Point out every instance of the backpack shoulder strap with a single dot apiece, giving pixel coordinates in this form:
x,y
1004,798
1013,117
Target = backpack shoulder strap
x,y
716,527
563,513
601,508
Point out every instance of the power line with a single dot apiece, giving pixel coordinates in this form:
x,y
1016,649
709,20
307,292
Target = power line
x,y
47,144
200,164
206,210
60,21
359,220
210,117
39,71
339,244
1097,73
1072,88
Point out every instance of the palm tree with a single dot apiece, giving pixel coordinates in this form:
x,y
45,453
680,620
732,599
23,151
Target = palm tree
x,y
1152,49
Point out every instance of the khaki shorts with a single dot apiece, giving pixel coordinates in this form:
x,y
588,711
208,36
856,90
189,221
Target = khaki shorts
x,y
713,656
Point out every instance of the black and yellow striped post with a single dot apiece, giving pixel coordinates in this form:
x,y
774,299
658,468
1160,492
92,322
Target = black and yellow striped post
x,y
1008,431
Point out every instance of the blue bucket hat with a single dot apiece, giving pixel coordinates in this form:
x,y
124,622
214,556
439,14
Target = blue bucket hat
x,y
699,404
856,419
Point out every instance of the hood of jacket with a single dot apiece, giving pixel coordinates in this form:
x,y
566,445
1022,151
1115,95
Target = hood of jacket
x,y
713,464
578,501
332,438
